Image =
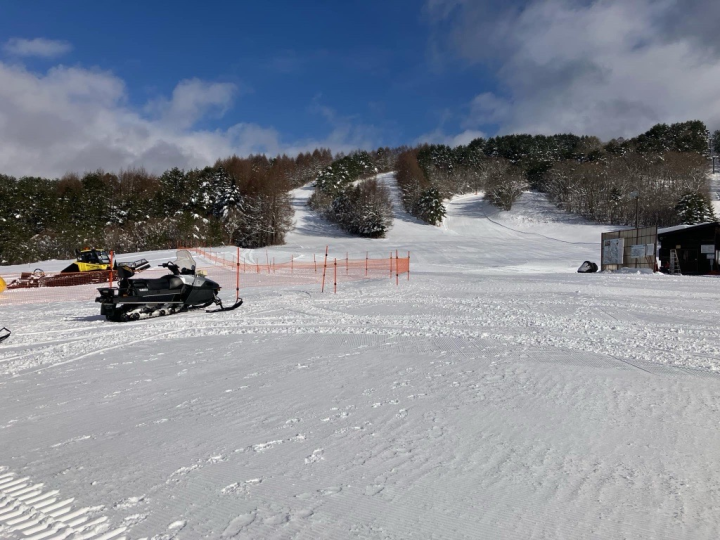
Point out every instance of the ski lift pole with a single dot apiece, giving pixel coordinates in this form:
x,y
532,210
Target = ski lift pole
x,y
322,289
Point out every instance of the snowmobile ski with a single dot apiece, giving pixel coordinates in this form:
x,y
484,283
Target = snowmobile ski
x,y
223,308
4,334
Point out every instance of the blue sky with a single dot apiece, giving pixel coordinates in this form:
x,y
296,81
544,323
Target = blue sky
x,y
365,60
156,84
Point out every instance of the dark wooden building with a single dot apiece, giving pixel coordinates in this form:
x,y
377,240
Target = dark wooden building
x,y
696,247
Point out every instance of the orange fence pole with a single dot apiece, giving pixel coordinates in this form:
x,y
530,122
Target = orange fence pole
x,y
335,282
315,263
322,289
391,265
408,266
397,270
112,255
291,264
347,263
366,262
237,279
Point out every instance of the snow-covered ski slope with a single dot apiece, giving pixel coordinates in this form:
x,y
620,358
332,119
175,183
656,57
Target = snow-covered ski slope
x,y
497,394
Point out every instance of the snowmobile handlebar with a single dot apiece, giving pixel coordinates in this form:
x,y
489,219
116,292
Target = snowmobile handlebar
x,y
172,267
176,270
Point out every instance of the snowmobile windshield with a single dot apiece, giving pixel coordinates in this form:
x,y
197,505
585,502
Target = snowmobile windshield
x,y
185,262
103,257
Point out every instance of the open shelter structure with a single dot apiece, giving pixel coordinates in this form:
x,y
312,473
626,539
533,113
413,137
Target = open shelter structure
x,y
690,249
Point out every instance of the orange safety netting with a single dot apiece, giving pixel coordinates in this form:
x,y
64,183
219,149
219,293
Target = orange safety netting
x,y
232,273
323,270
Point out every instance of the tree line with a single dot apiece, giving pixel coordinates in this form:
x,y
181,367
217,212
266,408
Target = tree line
x,y
246,201
238,201
661,173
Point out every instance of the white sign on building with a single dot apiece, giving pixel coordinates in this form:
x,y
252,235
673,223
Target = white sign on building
x,y
637,252
613,251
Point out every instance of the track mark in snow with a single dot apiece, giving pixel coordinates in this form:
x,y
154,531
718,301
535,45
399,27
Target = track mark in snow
x,y
26,510
238,524
374,489
241,487
316,457
177,525
70,441
333,490
134,519
266,446
130,502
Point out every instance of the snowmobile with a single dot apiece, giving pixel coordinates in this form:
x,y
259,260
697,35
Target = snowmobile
x,y
183,289
4,334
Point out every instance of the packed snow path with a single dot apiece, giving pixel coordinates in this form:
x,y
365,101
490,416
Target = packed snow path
x,y
514,400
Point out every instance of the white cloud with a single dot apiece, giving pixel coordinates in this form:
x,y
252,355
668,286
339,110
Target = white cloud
x,y
192,100
603,67
487,108
440,137
74,119
45,48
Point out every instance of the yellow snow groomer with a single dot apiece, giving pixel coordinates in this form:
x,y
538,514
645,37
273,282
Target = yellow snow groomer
x,y
89,260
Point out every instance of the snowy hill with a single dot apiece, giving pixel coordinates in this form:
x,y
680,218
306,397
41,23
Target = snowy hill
x,y
497,394
533,236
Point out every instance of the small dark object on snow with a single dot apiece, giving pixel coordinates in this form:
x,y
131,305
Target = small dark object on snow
x,y
587,268
4,334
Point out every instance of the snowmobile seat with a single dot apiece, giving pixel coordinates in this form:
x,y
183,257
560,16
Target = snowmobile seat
x,y
164,283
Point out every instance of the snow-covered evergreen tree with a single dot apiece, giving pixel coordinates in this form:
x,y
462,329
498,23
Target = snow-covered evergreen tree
x,y
694,208
430,207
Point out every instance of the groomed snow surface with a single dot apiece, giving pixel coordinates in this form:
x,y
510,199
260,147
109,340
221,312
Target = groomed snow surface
x,y
497,394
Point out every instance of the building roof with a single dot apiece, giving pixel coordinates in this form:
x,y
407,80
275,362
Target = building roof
x,y
677,228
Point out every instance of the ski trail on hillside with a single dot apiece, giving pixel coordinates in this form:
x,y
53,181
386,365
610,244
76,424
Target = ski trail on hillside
x,y
481,206
390,182
715,192
538,234
308,223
